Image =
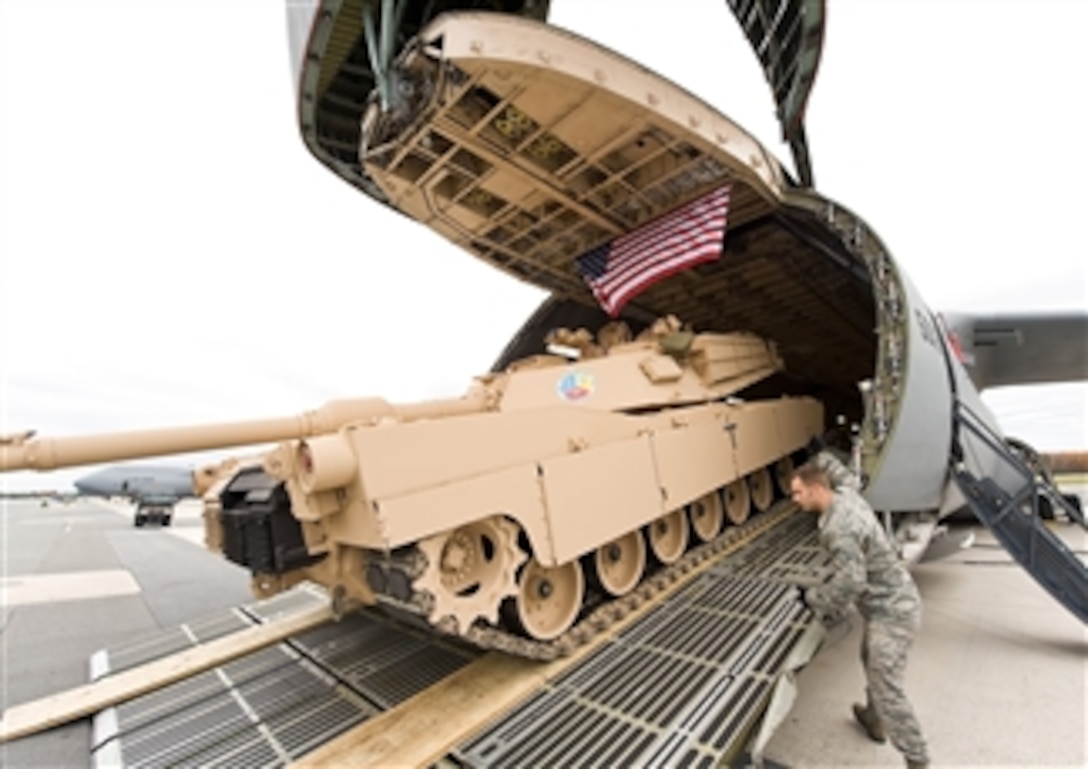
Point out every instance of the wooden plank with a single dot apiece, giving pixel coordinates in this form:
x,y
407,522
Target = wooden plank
x,y
57,709
423,729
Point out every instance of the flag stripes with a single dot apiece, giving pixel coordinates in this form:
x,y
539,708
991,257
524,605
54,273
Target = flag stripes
x,y
628,265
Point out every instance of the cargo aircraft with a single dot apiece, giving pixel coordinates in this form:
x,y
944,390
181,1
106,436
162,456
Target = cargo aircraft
x,y
528,146
136,481
537,150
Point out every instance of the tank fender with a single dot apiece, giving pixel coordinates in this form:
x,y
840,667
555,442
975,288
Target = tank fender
x,y
407,518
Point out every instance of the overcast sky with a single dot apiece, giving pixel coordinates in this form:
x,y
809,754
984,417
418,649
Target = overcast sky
x,y
170,252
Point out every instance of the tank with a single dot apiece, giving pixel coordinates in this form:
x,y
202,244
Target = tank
x,y
549,490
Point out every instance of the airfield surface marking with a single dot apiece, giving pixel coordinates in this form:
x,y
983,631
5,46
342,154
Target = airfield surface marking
x,y
85,700
69,586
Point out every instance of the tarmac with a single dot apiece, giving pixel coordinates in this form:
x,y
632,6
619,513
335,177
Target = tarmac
x,y
998,675
77,549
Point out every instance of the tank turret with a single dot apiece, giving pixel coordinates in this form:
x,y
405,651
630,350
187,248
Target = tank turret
x,y
560,482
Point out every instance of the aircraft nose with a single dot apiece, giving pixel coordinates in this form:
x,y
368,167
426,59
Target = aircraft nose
x,y
91,484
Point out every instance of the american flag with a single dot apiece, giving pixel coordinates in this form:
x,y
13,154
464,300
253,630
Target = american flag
x,y
690,235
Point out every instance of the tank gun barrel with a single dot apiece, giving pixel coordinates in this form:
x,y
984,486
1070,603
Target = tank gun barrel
x,y
24,452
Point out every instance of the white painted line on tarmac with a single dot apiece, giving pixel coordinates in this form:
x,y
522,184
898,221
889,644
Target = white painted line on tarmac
x,y
71,586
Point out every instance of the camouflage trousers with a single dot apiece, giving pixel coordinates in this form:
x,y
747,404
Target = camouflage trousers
x,y
884,647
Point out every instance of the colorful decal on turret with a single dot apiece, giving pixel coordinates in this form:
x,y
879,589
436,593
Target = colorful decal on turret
x,y
576,385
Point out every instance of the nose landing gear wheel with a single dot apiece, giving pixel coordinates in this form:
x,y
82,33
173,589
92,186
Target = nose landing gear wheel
x,y
762,492
707,516
618,565
737,501
668,536
549,599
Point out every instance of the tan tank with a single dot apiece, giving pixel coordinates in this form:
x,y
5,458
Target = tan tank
x,y
554,485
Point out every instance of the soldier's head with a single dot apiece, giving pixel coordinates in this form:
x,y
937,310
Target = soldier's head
x,y
810,488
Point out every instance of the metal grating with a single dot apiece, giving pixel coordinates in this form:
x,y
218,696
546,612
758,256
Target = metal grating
x,y
685,685
164,703
304,596
682,687
384,662
300,731
186,735
156,645
413,673
275,705
205,720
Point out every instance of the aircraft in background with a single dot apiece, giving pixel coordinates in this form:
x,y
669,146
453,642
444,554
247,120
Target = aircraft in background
x,y
137,481
1005,349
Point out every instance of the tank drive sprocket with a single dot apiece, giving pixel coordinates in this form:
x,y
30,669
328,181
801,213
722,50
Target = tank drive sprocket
x,y
470,570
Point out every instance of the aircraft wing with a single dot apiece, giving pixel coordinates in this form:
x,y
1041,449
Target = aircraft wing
x,y
1021,348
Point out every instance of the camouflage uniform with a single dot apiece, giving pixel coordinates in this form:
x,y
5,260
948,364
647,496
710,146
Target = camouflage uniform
x,y
838,474
868,572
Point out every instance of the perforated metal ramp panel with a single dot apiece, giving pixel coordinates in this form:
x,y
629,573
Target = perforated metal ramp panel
x,y
273,706
682,687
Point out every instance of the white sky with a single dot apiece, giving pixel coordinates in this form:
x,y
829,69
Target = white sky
x,y
170,252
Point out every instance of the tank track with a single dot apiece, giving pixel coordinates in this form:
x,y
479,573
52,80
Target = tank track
x,y
602,617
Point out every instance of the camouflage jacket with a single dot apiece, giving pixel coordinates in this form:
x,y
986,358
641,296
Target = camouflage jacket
x,y
866,569
837,472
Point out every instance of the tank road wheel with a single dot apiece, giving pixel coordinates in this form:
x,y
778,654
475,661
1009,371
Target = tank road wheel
x,y
737,501
549,599
759,483
618,565
707,516
470,570
669,536
783,471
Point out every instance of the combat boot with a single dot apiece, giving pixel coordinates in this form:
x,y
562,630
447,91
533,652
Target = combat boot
x,y
870,722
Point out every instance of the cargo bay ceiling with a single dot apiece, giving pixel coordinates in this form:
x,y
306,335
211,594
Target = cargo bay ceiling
x,y
786,273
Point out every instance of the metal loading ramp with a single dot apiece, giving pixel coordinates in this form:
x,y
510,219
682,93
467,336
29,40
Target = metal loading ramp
x,y
684,686
273,706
